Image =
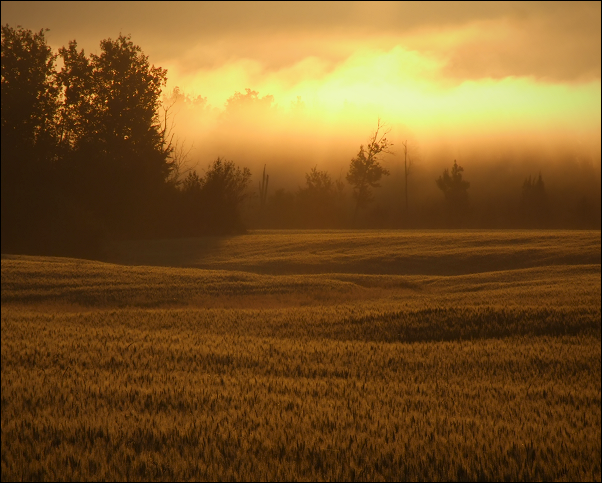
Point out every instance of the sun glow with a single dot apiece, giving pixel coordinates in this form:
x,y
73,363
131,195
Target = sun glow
x,y
408,87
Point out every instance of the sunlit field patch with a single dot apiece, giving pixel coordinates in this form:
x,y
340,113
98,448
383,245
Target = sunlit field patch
x,y
474,355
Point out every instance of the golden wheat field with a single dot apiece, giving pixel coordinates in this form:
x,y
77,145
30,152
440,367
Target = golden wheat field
x,y
307,355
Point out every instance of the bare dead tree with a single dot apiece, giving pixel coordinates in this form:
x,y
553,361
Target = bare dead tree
x,y
263,189
179,157
175,147
405,169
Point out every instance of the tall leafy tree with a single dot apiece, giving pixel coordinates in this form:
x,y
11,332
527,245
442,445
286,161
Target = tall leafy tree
x,y
111,124
76,111
365,170
29,90
126,103
29,108
83,146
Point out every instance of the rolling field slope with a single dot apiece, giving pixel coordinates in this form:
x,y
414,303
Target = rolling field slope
x,y
391,252
371,355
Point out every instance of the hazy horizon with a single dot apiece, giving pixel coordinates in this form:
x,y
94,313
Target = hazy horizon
x,y
476,82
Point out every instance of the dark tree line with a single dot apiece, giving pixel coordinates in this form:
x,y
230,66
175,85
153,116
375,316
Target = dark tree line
x,y
223,189
86,156
455,191
534,206
324,203
321,203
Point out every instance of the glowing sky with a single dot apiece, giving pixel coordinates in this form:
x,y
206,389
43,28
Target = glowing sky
x,y
432,70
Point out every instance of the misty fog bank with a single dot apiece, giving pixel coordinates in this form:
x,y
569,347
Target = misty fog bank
x,y
254,131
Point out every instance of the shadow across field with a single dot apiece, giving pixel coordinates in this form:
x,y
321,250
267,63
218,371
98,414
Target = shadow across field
x,y
556,300
392,252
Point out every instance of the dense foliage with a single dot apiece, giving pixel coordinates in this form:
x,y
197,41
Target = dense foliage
x,y
86,155
221,191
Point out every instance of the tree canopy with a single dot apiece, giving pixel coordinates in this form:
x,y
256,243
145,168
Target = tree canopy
x,y
29,110
86,154
110,118
214,200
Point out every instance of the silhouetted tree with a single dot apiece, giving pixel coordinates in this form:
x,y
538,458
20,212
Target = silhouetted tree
x,y
365,170
76,111
29,108
83,147
281,210
211,204
223,189
89,147
534,202
191,215
29,90
192,184
319,200
263,190
410,156
454,188
110,121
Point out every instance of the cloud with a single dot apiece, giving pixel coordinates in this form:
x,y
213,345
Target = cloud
x,y
552,47
554,41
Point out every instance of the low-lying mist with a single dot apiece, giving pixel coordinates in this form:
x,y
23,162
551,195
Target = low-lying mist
x,y
254,131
